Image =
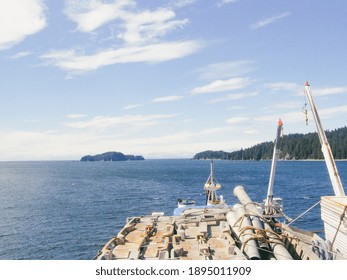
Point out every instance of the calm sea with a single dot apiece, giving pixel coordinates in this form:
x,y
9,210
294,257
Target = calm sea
x,y
69,209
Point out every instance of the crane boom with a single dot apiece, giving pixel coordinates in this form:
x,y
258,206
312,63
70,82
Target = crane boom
x,y
328,156
275,156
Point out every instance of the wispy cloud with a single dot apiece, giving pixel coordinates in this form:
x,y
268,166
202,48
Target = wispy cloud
x,y
332,112
233,96
144,26
284,86
235,120
45,145
129,120
20,19
287,105
168,98
76,116
183,3
20,55
76,63
223,85
251,131
234,108
132,106
224,2
291,117
270,20
135,25
92,14
226,69
137,34
293,87
329,91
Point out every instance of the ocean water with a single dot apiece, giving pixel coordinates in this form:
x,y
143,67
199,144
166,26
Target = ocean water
x,y
67,210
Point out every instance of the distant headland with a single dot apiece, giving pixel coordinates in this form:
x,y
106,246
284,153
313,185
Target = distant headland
x,y
292,147
111,156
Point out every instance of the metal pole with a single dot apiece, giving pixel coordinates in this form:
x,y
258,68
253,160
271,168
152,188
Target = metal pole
x,y
275,156
328,156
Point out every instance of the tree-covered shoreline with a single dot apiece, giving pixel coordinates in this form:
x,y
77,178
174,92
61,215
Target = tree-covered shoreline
x,y
293,147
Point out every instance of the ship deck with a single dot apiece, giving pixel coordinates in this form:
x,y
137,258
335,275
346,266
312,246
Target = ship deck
x,y
198,234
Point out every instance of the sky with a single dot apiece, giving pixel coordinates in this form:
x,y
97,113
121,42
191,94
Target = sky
x,y
165,79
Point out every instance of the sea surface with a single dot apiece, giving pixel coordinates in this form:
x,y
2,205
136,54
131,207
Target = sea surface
x,y
67,210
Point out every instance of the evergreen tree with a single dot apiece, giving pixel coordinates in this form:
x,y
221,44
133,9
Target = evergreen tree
x,y
293,146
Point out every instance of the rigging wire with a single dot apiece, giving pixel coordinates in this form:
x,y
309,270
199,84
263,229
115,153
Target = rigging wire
x,y
309,209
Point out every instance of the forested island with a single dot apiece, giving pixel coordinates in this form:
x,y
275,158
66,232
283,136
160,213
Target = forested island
x,y
292,147
111,156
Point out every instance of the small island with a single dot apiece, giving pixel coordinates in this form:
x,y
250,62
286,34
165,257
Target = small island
x,y
111,156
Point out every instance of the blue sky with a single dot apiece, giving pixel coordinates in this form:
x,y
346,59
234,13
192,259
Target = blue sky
x,y
165,79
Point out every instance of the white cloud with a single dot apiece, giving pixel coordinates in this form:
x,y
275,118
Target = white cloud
x,y
144,26
235,120
20,55
234,96
139,33
269,20
232,108
329,91
135,25
222,85
214,131
285,86
76,116
168,98
224,2
287,118
225,70
19,19
294,121
132,106
288,105
183,3
92,14
129,120
332,112
251,131
75,63
280,86
49,145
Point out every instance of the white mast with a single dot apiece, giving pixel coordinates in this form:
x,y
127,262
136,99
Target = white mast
x,y
275,156
328,156
211,187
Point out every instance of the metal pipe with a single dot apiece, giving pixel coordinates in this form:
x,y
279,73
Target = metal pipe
x,y
264,248
241,194
242,226
279,250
